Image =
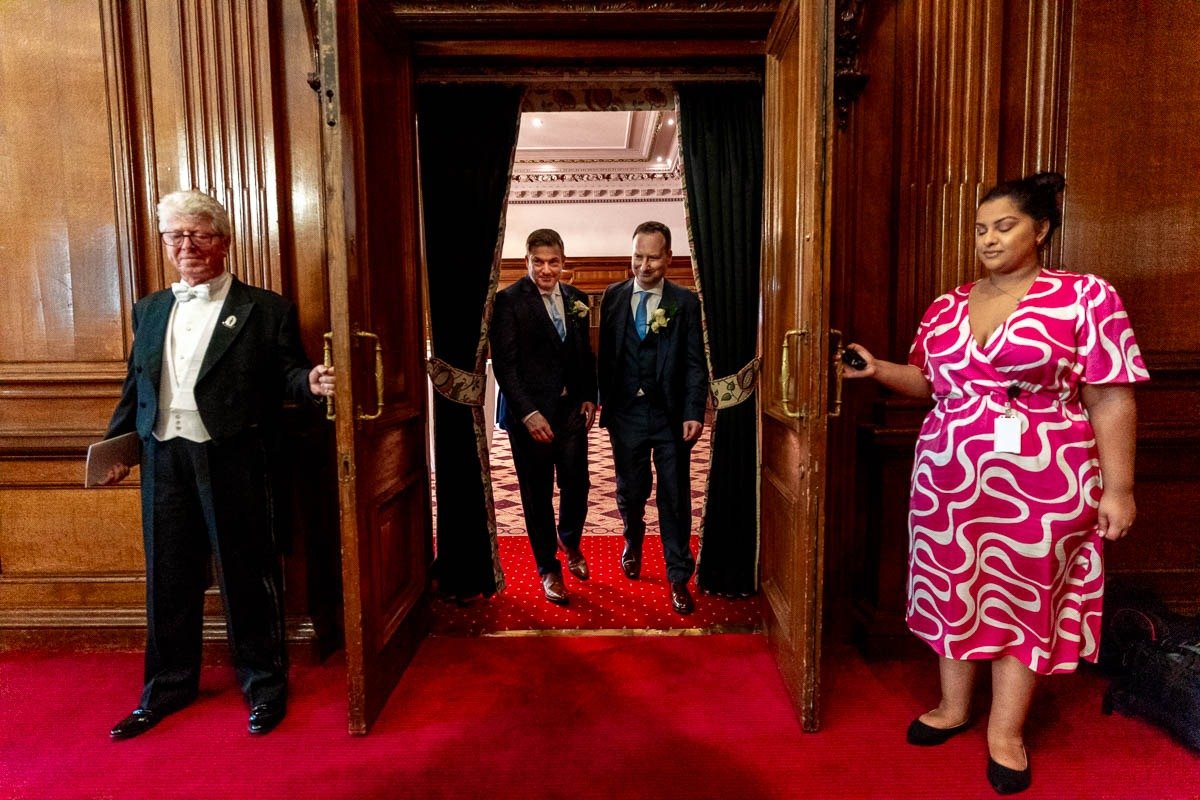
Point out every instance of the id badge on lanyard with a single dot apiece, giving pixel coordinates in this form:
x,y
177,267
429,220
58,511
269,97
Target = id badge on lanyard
x,y
1008,426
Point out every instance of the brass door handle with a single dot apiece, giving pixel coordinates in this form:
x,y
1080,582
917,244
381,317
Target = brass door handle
x,y
785,374
378,378
835,343
330,412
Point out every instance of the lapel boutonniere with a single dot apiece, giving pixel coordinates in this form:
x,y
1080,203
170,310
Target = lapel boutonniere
x,y
230,321
579,309
662,317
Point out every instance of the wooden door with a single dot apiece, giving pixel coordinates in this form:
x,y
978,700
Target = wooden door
x,y
375,292
795,343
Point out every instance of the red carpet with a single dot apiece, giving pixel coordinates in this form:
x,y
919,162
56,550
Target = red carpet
x,y
559,717
609,600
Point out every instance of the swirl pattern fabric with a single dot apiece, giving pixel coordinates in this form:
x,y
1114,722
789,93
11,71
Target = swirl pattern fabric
x,y
1004,557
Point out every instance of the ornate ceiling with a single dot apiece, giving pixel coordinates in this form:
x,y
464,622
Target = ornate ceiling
x,y
597,157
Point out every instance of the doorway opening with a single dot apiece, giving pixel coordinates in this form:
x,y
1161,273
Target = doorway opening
x,y
592,176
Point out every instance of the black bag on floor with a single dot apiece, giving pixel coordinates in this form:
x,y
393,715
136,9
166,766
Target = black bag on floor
x,y
1158,677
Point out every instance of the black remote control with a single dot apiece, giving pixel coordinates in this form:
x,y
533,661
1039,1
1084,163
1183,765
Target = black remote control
x,y
854,360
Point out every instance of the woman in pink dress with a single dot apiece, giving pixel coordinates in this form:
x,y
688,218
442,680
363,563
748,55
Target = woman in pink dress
x,y
1022,469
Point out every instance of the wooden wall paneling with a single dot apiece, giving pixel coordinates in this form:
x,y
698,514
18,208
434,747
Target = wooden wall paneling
x,y
65,221
150,97
948,151
1034,60
946,82
862,295
1132,215
211,117
313,564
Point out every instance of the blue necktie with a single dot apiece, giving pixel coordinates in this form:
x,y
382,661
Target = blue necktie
x,y
556,318
639,318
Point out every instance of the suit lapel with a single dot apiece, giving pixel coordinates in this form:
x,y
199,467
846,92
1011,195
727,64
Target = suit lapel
x,y
621,316
666,336
537,307
235,311
152,329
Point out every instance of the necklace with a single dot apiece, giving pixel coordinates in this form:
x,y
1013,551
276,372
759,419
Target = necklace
x,y
998,288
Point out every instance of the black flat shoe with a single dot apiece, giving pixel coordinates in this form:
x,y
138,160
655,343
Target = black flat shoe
x,y
1006,780
138,722
924,735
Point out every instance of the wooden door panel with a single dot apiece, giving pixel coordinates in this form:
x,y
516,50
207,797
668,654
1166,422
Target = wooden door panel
x,y
795,370
376,293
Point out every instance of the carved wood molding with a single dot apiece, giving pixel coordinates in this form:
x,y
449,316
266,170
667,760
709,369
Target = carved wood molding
x,y
848,80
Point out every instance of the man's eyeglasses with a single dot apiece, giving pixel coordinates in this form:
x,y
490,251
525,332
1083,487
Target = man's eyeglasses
x,y
175,238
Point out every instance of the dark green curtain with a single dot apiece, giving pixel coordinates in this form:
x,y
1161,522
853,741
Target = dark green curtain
x,y
721,132
467,136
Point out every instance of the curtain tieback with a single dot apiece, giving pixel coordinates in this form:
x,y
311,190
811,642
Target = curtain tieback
x,y
727,392
456,384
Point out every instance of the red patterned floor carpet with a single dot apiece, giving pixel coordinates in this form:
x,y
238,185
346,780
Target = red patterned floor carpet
x,y
608,601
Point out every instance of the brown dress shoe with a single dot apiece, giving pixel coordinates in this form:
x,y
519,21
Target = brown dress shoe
x,y
552,585
576,563
631,563
681,598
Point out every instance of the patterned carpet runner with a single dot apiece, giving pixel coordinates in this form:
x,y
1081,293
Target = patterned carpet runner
x,y
608,601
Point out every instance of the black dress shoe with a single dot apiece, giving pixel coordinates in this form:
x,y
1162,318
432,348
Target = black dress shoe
x,y
265,716
631,563
681,598
924,735
552,587
138,722
1006,780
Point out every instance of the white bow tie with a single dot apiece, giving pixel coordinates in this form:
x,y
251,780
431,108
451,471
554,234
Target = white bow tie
x,y
183,292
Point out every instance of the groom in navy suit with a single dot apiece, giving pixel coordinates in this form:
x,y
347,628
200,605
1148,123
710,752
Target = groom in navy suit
x,y
653,390
542,357
212,363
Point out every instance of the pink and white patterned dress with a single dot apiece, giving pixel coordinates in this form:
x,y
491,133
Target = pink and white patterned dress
x,y
1004,557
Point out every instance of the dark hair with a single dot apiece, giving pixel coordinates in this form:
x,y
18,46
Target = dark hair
x,y
1035,195
544,237
654,227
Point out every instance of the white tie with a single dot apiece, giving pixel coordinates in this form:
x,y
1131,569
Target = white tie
x,y
184,293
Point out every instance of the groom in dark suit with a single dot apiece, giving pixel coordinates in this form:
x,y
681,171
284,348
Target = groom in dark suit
x,y
542,357
653,389
212,363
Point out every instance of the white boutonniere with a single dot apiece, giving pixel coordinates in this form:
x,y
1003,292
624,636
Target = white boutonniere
x,y
579,309
661,318
230,321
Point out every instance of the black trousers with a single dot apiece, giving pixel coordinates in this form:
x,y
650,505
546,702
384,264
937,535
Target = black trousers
x,y
201,500
641,434
537,465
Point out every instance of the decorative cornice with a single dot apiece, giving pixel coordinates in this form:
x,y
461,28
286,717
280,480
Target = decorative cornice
x,y
596,187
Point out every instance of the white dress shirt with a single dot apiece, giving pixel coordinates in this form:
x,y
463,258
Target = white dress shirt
x,y
189,331
652,303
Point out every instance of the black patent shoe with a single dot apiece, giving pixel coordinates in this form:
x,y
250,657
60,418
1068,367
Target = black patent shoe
x,y
265,716
1006,780
924,735
138,722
